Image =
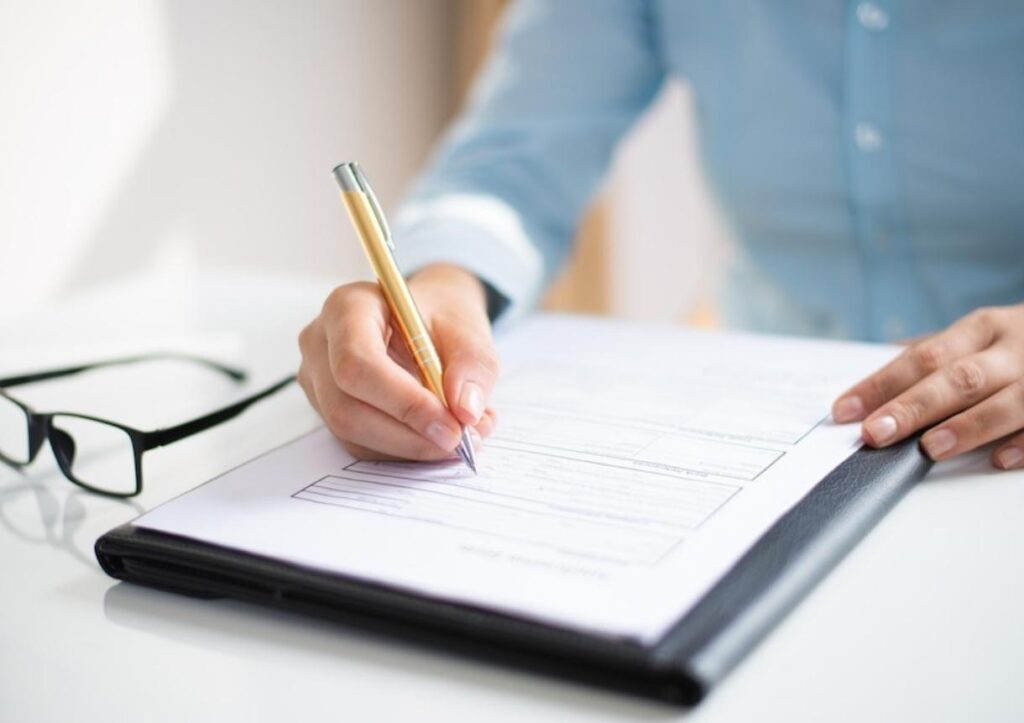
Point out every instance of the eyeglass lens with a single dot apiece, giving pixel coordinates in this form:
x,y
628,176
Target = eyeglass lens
x,y
14,432
97,455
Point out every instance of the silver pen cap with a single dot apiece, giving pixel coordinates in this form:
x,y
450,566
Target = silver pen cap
x,y
351,179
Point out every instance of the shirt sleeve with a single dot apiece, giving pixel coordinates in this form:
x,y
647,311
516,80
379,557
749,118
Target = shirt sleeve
x,y
506,187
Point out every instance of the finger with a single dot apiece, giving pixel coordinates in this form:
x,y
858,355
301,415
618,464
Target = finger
x,y
357,423
470,364
483,430
485,427
366,453
343,413
957,386
911,340
357,349
995,417
970,334
314,355
1010,454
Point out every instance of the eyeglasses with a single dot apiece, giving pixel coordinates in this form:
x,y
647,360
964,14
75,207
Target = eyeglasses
x,y
100,455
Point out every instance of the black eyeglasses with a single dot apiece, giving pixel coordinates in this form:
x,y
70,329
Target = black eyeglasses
x,y
100,455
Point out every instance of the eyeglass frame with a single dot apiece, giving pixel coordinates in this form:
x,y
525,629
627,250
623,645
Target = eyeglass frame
x,y
40,424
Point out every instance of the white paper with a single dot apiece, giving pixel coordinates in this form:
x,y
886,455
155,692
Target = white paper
x,y
631,467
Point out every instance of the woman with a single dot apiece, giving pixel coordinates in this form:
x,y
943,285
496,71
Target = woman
x,y
869,156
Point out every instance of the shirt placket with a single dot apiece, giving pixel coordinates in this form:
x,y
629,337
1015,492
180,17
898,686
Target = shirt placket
x,y
873,179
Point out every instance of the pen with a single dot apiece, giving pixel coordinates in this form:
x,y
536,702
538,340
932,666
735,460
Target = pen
x,y
373,232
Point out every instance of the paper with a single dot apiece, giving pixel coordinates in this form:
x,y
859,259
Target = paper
x,y
630,468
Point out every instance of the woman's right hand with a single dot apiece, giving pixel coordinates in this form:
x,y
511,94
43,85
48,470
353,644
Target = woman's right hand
x,y
361,379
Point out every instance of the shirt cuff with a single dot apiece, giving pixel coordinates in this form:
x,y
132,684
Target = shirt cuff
x,y
483,235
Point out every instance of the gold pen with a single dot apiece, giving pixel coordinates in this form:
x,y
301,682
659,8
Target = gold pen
x,y
373,231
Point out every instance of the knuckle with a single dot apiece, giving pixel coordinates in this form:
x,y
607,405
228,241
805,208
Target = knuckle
x,y
985,315
338,420
308,390
342,296
987,321
411,410
967,377
877,388
363,287
929,357
909,412
971,425
336,299
350,368
307,336
980,422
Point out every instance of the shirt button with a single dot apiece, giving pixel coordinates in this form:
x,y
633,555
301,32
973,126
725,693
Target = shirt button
x,y
872,17
867,137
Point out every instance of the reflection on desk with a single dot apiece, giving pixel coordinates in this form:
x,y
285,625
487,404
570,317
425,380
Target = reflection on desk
x,y
923,621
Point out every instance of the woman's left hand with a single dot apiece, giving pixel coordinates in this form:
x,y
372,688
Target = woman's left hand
x,y
967,381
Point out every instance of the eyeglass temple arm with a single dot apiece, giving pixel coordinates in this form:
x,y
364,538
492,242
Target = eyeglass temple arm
x,y
163,437
237,374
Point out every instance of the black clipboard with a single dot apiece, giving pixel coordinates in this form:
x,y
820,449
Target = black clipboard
x,y
680,668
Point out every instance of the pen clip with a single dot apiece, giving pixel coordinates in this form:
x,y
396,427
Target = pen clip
x,y
364,186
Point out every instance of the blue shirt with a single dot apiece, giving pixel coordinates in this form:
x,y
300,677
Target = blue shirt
x,y
869,156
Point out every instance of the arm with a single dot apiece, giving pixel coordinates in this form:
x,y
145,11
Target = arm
x,y
508,184
499,203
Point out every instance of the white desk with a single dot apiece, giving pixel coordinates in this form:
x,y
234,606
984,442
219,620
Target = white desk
x,y
923,621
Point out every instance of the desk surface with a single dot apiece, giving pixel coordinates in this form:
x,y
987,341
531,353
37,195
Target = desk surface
x,y
923,621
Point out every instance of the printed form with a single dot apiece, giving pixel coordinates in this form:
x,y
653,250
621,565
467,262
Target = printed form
x,y
630,468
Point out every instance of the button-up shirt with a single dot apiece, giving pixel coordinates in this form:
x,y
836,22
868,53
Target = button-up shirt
x,y
868,155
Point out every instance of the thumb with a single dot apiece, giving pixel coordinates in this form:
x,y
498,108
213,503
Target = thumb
x,y
470,364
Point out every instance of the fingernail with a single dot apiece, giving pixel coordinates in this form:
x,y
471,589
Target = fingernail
x,y
472,399
441,436
939,442
881,429
848,409
1010,458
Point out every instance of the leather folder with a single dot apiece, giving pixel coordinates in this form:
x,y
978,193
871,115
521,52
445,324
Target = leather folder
x,y
695,654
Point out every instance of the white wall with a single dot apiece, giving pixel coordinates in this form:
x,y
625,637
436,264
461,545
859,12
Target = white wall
x,y
144,133
668,242
149,134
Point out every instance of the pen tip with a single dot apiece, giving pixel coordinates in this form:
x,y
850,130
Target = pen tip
x,y
465,450
468,459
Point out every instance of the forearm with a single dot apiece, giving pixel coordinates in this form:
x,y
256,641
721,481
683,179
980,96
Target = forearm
x,y
503,195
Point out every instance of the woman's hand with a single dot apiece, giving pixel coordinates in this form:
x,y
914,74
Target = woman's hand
x,y
967,381
359,376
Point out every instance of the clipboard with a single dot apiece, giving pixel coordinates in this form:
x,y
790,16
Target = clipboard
x,y
695,654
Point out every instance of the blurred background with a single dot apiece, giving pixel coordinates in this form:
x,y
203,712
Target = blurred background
x,y
161,139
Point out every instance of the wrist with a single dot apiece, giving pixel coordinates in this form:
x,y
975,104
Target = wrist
x,y
456,282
